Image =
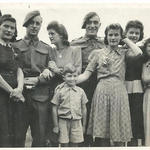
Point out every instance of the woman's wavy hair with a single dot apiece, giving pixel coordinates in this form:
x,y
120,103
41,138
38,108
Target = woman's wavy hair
x,y
61,30
135,24
114,26
145,56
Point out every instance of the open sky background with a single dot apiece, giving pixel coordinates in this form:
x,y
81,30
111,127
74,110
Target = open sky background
x,y
72,14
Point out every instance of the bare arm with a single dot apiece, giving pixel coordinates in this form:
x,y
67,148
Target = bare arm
x,y
16,94
20,79
55,118
78,60
134,49
83,77
5,86
84,116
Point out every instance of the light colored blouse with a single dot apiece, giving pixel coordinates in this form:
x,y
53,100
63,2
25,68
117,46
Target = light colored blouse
x,y
70,55
110,63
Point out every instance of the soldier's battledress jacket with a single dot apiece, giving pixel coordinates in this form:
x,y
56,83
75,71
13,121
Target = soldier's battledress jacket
x,y
87,45
36,55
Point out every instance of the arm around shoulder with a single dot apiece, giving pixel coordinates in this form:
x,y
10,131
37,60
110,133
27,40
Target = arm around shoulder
x,y
134,49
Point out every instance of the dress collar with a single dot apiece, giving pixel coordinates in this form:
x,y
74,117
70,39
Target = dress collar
x,y
3,43
118,51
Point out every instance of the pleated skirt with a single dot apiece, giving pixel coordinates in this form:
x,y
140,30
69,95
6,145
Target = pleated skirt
x,y
110,113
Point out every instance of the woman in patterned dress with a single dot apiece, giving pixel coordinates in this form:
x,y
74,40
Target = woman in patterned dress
x,y
110,114
146,101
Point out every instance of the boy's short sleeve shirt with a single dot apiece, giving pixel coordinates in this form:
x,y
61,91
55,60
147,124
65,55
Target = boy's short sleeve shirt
x,y
69,101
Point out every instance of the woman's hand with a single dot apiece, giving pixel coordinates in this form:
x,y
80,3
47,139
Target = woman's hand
x,y
16,95
56,130
52,65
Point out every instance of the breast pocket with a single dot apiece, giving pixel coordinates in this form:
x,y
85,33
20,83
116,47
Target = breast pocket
x,y
41,58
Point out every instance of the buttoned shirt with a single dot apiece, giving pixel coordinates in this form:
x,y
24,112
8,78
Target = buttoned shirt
x,y
87,45
69,101
110,63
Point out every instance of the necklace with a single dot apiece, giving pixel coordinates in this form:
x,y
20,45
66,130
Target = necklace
x,y
60,55
60,52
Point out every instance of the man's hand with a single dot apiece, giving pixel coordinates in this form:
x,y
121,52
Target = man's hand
x,y
47,74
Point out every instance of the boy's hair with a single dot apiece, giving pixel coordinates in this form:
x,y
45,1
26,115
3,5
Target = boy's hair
x,y
135,24
69,68
114,26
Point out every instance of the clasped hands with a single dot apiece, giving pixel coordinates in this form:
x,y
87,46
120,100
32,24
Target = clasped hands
x,y
16,95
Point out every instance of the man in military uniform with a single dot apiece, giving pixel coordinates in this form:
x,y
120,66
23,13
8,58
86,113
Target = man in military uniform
x,y
36,55
88,43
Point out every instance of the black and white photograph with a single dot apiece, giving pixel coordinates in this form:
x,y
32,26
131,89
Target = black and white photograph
x,y
75,74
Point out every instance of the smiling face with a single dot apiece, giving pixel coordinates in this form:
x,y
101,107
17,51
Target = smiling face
x,y
133,34
70,79
92,26
34,26
7,30
54,37
113,37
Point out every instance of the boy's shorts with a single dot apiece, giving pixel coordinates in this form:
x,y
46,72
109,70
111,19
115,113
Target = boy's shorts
x,y
70,131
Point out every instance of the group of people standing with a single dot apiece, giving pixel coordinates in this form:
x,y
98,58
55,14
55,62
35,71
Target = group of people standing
x,y
38,85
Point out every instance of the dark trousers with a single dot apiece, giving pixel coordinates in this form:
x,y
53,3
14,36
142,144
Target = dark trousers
x,y
4,123
37,119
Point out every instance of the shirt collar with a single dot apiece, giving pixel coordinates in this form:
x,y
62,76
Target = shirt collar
x,y
30,41
116,51
74,88
2,42
88,38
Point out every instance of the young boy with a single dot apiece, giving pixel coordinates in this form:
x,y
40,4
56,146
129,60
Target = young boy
x,y
69,110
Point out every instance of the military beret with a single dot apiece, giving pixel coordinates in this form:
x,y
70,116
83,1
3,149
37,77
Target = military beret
x,y
30,16
87,17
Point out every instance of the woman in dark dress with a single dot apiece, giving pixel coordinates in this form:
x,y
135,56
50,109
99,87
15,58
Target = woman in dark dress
x,y
134,31
11,76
